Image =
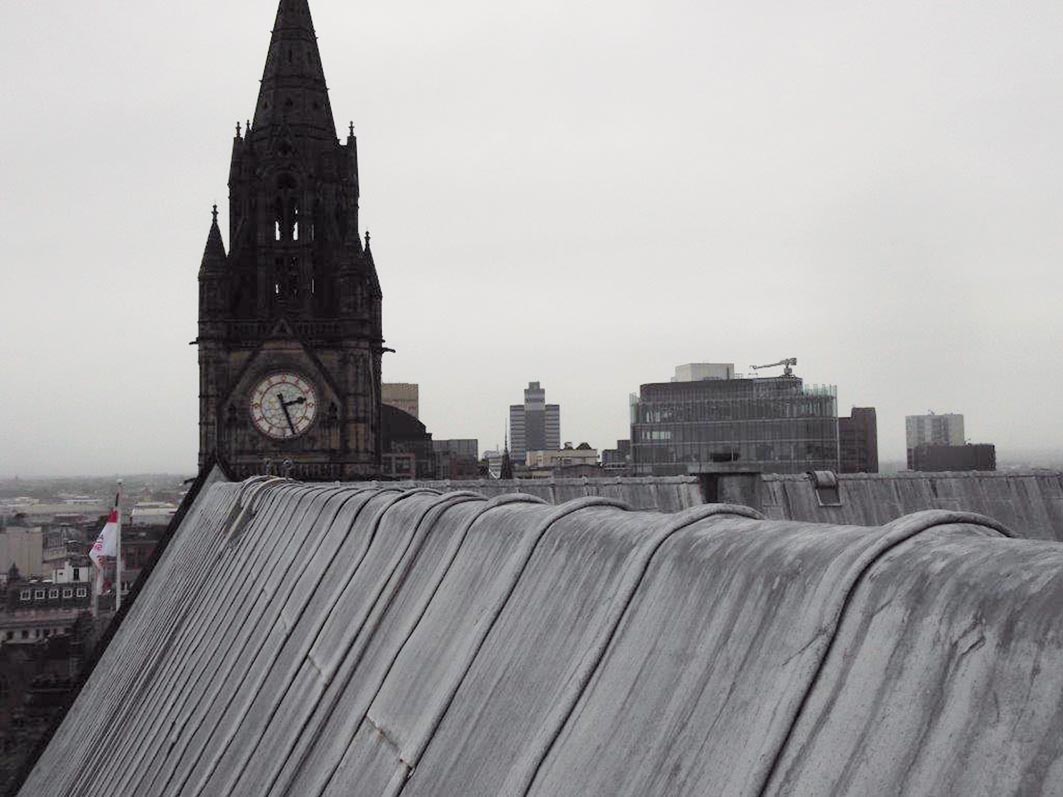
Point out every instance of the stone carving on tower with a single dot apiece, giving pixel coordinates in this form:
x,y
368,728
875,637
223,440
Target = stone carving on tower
x,y
290,331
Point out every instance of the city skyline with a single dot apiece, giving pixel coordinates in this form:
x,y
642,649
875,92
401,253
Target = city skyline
x,y
878,199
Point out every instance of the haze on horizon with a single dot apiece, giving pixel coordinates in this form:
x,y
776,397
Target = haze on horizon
x,y
583,195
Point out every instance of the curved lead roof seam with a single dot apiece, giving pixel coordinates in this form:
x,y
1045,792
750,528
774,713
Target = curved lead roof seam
x,y
227,608
371,616
104,689
100,688
302,746
562,511
894,534
523,781
325,707
238,666
300,662
438,577
229,614
208,629
177,625
218,751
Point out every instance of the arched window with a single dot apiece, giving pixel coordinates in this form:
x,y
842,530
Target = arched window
x,y
286,209
291,220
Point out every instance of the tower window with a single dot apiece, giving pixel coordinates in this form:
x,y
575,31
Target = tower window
x,y
278,220
292,288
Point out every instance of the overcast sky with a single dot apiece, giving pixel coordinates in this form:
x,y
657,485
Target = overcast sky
x,y
580,193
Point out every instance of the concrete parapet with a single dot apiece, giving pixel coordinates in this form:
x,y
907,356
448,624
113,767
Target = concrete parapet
x,y
1031,502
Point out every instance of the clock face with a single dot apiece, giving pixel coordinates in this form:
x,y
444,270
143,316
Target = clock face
x,y
283,405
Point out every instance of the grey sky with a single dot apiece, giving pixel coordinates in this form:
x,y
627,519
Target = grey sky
x,y
583,194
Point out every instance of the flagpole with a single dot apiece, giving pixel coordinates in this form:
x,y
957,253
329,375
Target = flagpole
x,y
118,552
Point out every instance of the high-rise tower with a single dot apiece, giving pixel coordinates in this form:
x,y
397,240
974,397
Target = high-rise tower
x,y
290,335
534,425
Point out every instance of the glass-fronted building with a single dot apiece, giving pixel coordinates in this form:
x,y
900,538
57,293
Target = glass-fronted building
x,y
775,425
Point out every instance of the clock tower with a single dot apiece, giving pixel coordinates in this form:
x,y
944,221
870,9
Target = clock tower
x,y
290,336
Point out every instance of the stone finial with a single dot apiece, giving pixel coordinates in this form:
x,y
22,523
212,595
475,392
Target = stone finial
x,y
214,213
352,129
238,130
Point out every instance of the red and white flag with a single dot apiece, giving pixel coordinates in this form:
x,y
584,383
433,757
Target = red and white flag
x,y
107,543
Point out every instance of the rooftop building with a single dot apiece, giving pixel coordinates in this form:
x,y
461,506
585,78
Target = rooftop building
x,y
402,396
582,455
457,459
696,372
932,429
152,513
775,425
858,441
929,458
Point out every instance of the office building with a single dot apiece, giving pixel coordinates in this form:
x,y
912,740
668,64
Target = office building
x,y
858,441
932,429
617,461
567,456
457,459
534,425
928,458
407,446
775,425
402,396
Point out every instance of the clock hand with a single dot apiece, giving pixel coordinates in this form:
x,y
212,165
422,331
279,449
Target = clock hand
x,y
287,415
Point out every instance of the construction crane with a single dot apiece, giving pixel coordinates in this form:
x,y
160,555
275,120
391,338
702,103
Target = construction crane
x,y
787,364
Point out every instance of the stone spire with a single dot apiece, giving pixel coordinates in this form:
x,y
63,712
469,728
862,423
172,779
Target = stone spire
x,y
370,268
507,462
293,91
214,253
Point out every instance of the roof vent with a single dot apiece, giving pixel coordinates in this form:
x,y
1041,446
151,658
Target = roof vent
x,y
825,483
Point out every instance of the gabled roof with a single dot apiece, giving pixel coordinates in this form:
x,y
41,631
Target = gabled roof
x,y
340,639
